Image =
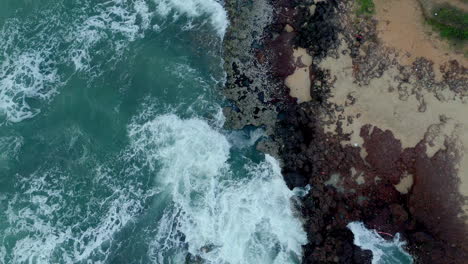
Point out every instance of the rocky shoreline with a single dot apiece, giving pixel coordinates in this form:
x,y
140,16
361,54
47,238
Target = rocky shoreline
x,y
374,175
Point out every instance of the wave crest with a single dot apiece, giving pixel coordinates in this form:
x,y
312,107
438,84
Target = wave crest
x,y
215,215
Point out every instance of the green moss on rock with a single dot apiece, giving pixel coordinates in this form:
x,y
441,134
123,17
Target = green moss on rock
x,y
366,7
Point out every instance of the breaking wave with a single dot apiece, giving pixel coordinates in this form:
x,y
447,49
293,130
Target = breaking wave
x,y
383,251
196,8
215,215
211,209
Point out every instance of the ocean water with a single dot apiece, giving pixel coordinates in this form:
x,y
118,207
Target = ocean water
x,y
112,147
111,141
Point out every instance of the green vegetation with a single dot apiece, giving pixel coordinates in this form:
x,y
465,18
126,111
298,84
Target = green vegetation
x,y
366,7
451,16
449,32
451,22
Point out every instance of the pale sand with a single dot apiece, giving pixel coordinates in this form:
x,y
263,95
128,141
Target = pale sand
x,y
382,108
405,184
299,82
288,28
402,26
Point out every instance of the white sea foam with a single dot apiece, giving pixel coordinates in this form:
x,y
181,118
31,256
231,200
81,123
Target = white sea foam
x,y
121,211
43,238
116,23
383,251
23,76
222,217
210,212
196,8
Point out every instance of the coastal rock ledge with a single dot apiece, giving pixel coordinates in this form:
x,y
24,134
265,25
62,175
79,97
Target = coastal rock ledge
x,y
378,132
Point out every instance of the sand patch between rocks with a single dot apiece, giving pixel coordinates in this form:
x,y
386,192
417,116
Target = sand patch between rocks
x,y
405,184
299,82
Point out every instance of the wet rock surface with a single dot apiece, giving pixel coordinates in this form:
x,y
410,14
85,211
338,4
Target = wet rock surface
x,y
345,185
248,85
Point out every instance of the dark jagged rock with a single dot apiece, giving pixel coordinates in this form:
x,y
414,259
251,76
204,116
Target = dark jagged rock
x,y
318,32
293,179
328,210
362,256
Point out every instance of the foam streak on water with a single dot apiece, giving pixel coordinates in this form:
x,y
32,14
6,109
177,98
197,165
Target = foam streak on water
x,y
49,226
213,215
22,76
30,66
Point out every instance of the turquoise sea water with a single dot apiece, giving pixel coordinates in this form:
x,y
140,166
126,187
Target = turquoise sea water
x,y
111,141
